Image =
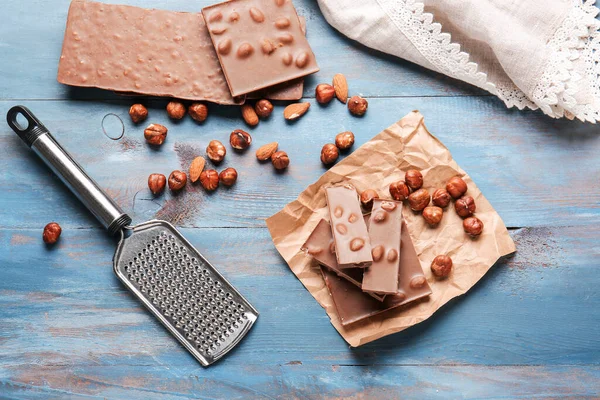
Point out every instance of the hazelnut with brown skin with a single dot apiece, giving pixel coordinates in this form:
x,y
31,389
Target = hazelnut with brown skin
x,y
324,93
414,179
329,154
51,233
216,151
441,266
357,105
344,140
155,134
280,160
177,180
156,183
473,226
138,113
456,187
433,215
209,179
441,198
367,197
465,206
175,110
399,191
240,140
419,199
263,108
198,112
228,176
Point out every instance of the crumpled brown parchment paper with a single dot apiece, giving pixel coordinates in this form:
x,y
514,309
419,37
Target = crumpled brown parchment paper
x,y
379,162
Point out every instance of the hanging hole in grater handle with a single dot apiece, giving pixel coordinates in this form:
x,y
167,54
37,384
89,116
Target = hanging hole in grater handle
x,y
19,116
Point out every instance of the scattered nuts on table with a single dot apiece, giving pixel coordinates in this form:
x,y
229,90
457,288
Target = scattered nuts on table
x,y
156,183
175,110
324,93
367,197
263,108
456,187
340,86
155,134
216,151
138,113
441,198
240,140
473,226
414,179
177,180
265,152
196,168
209,179
228,176
419,199
329,154
198,112
465,206
441,266
358,105
295,111
51,233
344,140
433,215
280,160
249,115
399,191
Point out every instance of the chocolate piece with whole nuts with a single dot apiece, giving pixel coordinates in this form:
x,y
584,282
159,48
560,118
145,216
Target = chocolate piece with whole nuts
x,y
228,176
156,183
51,233
465,206
441,198
414,179
249,115
329,154
155,134
175,110
138,113
399,191
324,93
240,140
344,140
196,168
456,187
366,199
216,151
358,105
263,108
441,266
295,111
433,215
209,179
473,226
280,160
198,112
419,200
177,180
340,85
266,151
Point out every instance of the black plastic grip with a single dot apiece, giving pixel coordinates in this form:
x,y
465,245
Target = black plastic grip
x,y
32,131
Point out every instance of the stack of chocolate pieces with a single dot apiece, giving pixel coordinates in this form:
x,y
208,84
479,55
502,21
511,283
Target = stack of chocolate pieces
x,y
229,52
369,262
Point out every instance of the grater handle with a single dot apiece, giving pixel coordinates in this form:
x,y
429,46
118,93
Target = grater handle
x,y
37,136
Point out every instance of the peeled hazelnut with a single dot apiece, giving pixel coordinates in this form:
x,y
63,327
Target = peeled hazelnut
x,y
209,179
414,179
156,183
456,187
441,266
216,151
433,215
280,160
240,140
357,105
344,140
465,206
473,226
329,154
155,134
399,191
228,176
324,93
138,113
419,200
175,110
441,198
51,233
198,112
263,108
367,197
177,180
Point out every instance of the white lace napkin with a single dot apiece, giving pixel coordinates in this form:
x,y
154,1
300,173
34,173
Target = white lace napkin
x,y
530,53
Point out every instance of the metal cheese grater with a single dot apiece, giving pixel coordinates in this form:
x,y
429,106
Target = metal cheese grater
x,y
153,260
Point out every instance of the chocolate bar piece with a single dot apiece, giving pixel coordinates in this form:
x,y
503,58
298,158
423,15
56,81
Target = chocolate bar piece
x,y
384,232
259,43
132,49
352,245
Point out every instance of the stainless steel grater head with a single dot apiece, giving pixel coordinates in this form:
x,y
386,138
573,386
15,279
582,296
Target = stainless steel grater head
x,y
180,287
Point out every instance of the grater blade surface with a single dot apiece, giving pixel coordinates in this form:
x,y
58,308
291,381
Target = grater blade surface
x,y
183,291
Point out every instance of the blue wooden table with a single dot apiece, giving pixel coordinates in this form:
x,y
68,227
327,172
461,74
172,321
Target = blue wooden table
x,y
68,328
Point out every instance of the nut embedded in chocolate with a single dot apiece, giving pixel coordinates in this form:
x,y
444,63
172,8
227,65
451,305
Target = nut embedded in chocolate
x,y
366,199
456,187
344,140
240,140
175,110
399,191
228,176
198,112
441,198
209,179
138,113
51,233
155,134
216,151
324,93
329,154
280,160
433,215
156,183
263,108
473,226
441,266
414,179
465,206
177,180
358,105
419,200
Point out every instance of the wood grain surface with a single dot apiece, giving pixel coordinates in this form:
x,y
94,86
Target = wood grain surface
x,y
68,329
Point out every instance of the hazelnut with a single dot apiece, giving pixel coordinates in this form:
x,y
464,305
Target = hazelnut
x,y
357,105
228,176
441,198
177,180
329,154
433,215
156,183
456,187
399,191
367,197
216,151
414,179
138,113
240,140
473,226
263,108
419,199
441,266
175,110
465,206
198,112
51,233
324,93
155,134
344,140
280,160
209,179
